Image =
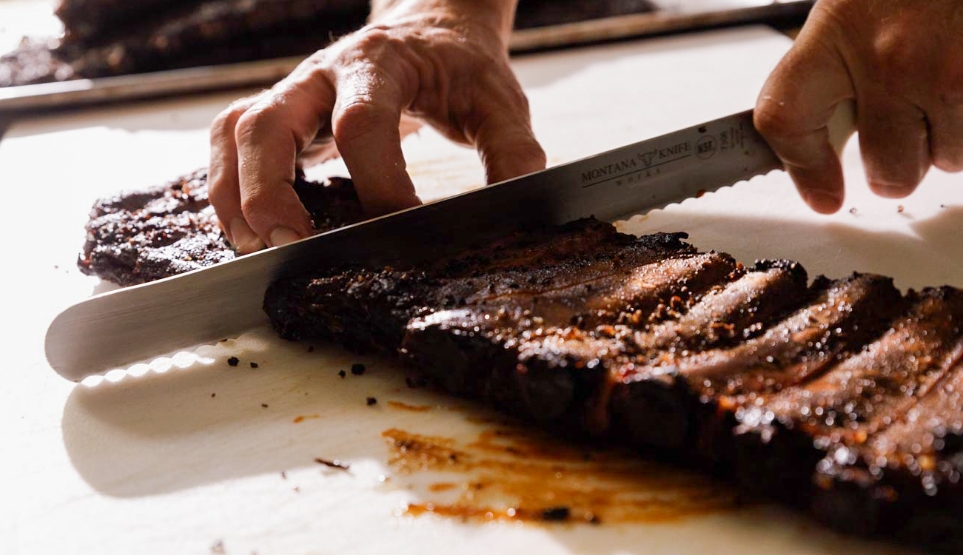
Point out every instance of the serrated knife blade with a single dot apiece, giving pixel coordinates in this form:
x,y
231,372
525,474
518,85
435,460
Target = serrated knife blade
x,y
122,327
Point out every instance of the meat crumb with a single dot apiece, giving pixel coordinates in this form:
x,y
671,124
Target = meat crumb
x,y
556,514
233,361
342,373
357,369
254,365
333,464
900,209
372,401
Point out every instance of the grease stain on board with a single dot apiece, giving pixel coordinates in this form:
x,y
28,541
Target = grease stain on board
x,y
508,473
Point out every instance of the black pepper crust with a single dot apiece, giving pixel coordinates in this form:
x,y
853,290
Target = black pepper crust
x,y
105,38
843,398
142,236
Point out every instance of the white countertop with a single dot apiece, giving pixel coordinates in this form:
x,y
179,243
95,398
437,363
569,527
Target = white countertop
x,y
156,464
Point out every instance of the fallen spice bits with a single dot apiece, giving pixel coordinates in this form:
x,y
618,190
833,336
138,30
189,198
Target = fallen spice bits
x,y
342,373
372,401
357,369
254,365
233,361
556,514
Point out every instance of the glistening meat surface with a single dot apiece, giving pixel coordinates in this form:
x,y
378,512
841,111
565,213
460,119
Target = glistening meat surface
x,y
839,397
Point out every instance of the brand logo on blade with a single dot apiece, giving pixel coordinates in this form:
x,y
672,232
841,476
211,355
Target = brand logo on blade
x,y
706,147
641,166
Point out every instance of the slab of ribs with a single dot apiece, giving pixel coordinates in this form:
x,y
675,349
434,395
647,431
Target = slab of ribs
x,y
841,397
105,38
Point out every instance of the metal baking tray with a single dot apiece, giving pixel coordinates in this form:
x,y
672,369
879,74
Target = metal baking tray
x,y
669,16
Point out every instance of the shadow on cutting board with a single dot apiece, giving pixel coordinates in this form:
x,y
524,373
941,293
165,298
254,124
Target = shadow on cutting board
x,y
208,423
211,421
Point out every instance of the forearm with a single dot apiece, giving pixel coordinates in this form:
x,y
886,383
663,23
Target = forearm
x,y
497,14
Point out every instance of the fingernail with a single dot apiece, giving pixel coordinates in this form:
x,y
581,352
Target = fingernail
x,y
889,190
283,236
822,201
245,240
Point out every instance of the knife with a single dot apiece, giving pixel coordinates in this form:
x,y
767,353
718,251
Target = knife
x,y
119,328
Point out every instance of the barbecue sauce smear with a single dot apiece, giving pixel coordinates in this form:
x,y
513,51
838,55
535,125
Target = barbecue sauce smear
x,y
511,474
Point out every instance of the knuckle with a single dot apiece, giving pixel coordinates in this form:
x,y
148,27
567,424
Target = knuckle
x,y
898,61
373,38
254,205
224,123
356,117
253,121
774,119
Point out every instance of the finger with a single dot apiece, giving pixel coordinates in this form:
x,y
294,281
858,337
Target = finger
x,y
893,140
501,131
365,124
946,138
223,186
793,112
508,147
269,137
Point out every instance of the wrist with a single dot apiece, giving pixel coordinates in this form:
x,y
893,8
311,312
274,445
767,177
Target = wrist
x,y
492,16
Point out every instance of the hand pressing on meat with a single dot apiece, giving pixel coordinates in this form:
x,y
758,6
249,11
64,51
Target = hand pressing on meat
x,y
444,62
902,63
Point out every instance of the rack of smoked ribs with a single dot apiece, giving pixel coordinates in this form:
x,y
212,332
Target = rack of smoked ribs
x,y
838,397
105,38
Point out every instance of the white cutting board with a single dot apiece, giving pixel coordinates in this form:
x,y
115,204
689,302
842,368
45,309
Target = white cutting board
x,y
156,464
